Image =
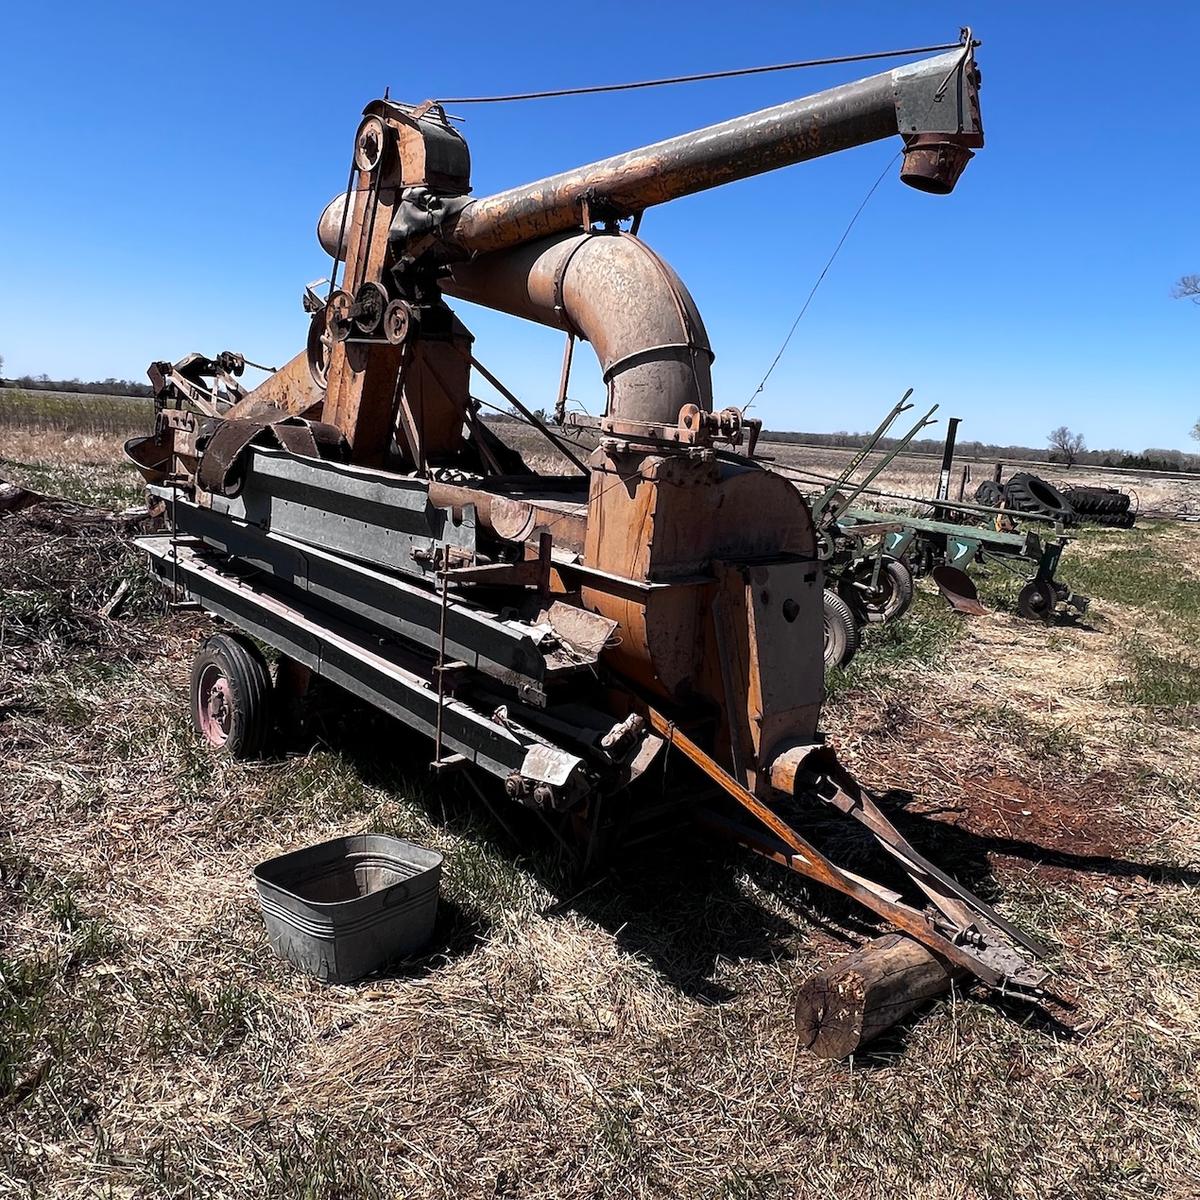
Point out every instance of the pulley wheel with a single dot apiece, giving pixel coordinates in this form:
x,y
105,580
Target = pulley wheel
x,y
369,144
397,320
320,347
370,302
339,322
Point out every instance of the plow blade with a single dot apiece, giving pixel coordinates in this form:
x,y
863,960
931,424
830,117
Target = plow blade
x,y
959,590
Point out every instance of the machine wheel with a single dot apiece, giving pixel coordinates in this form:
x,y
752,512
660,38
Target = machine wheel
x,y
889,600
370,301
397,318
231,689
989,492
1036,600
320,342
841,631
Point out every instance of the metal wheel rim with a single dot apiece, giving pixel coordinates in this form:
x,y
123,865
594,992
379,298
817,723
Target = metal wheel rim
x,y
1038,599
214,705
879,599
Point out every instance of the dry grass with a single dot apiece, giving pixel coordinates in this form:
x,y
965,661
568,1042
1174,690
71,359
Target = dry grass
x,y
629,1041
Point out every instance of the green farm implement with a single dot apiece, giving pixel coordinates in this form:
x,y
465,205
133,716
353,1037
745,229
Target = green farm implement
x,y
870,556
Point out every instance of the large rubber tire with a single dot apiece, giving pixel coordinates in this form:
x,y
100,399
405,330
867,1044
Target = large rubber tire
x,y
989,492
231,695
1098,502
890,601
1116,520
841,631
1027,493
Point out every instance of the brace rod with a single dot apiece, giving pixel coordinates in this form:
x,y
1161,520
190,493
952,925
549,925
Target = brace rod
x,y
808,860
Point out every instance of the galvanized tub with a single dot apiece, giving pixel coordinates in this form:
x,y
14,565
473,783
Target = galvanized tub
x,y
342,908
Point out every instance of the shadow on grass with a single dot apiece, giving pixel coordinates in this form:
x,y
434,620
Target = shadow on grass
x,y
683,902
964,852
457,933
679,901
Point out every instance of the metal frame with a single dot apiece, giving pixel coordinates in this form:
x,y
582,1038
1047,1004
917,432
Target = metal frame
x,y
388,604
384,675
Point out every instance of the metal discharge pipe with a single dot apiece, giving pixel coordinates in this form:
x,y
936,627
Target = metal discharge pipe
x,y
939,126
615,292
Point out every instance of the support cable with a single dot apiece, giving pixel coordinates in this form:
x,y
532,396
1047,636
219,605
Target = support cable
x,y
820,279
730,74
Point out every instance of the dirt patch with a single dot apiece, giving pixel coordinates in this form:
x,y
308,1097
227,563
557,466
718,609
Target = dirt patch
x,y
1064,834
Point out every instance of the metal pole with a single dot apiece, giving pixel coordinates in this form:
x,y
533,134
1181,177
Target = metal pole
x,y
556,442
912,100
943,492
890,457
441,663
862,453
560,405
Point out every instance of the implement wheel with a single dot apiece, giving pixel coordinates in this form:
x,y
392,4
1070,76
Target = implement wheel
x,y
888,600
1036,600
231,690
841,631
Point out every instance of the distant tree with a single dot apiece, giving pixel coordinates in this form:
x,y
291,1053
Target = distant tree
x,y
1195,428
1066,444
1,366
1187,287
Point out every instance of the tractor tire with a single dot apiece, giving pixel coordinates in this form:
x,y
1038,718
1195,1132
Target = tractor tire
x,y
1114,520
1027,493
990,492
841,631
1092,502
231,695
889,601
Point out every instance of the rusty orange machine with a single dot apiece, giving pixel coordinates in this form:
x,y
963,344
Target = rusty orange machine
x,y
355,513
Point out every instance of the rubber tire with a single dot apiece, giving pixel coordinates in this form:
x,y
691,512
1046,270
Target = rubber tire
x,y
989,492
1094,501
1028,493
242,665
900,588
1036,600
841,631
1114,520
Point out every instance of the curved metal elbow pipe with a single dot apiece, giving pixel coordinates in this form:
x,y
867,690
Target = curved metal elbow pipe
x,y
614,291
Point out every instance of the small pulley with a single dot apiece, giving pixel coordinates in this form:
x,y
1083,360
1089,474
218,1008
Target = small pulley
x,y
397,321
320,347
369,304
340,314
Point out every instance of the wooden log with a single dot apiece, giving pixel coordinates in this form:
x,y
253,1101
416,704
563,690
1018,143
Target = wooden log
x,y
843,1007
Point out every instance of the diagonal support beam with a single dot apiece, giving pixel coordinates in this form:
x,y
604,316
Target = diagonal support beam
x,y
809,861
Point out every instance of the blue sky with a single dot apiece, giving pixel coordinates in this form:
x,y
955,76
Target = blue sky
x,y
165,165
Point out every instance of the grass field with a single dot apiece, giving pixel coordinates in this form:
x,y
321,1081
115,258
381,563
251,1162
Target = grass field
x,y
75,412
632,1040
